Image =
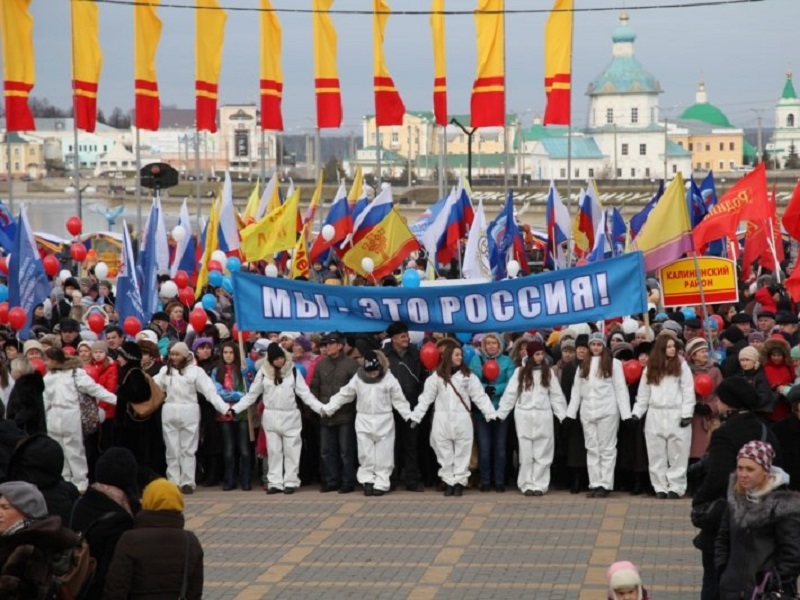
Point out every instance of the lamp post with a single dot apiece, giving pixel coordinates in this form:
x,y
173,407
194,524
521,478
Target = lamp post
x,y
469,133
78,190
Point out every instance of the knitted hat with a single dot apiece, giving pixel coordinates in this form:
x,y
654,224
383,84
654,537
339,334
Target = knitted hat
x,y
261,345
755,336
371,362
582,341
274,352
25,497
149,335
534,347
180,348
695,345
303,342
672,326
161,494
117,467
795,352
737,393
751,353
568,343
85,343
202,341
100,346
759,452
597,337
32,345
623,574
132,352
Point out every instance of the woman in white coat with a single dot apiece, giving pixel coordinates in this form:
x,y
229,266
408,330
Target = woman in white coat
x,y
601,395
666,395
64,382
453,387
535,396
277,383
181,381
376,391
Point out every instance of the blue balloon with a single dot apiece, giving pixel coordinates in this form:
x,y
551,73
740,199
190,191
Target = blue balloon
x,y
3,293
209,302
469,353
689,313
411,278
464,337
215,278
234,264
710,324
227,284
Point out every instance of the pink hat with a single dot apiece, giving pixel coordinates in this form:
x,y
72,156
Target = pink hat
x,y
759,452
623,574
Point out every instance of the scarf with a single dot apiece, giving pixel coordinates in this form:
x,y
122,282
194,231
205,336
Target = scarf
x,y
115,494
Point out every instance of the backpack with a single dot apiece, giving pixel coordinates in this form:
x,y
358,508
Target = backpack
x,y
73,571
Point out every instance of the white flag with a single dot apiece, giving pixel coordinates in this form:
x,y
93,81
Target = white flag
x,y
476,255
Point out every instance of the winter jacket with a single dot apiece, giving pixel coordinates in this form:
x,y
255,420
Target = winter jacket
x,y
788,434
703,425
408,370
506,371
331,375
26,404
766,399
671,393
453,399
540,402
759,536
63,384
149,560
26,559
182,387
597,397
106,373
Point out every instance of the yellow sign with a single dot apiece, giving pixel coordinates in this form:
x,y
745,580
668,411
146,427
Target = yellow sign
x,y
680,285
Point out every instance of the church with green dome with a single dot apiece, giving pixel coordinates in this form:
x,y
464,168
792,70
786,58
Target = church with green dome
x,y
787,123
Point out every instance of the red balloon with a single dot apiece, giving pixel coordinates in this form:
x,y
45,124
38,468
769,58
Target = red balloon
x,y
181,279
38,365
96,322
214,265
74,226
633,371
581,262
51,265
4,265
78,252
4,313
186,296
429,355
718,320
198,319
703,384
69,351
235,333
17,317
132,326
491,370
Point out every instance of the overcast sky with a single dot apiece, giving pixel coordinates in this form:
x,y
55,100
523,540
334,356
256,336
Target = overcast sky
x,y
741,51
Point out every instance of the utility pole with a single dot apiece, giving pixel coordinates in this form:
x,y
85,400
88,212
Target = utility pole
x,y
469,133
409,156
666,144
518,139
760,154
615,149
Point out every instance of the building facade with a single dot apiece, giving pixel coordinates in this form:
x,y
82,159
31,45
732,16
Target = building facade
x,y
27,156
787,123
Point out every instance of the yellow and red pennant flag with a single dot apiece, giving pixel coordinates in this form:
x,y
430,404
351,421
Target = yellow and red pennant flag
x,y
87,63
558,64
271,70
276,232
212,243
19,67
147,34
389,107
439,64
311,211
250,209
488,104
209,37
388,244
326,74
300,266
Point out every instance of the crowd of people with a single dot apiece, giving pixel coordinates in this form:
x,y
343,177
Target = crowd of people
x,y
663,403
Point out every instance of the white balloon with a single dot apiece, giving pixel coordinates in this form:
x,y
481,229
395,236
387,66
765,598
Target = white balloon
x,y
368,265
178,233
62,276
328,231
271,270
169,289
289,265
101,270
512,268
220,257
385,185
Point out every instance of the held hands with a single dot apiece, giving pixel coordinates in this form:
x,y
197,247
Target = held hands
x,y
412,424
685,422
702,409
490,390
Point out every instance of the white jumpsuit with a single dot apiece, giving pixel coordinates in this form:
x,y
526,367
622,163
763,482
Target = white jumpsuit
x,y
62,387
180,417
452,431
374,423
668,444
533,416
281,420
602,401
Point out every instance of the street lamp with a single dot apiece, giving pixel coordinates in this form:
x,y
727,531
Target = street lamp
x,y
469,133
78,191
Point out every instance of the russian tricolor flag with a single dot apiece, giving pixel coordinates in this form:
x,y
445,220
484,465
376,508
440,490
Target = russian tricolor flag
x,y
340,219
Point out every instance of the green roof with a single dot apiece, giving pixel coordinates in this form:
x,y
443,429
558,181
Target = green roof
x,y
675,150
582,148
706,113
750,152
537,132
387,157
788,89
459,161
511,118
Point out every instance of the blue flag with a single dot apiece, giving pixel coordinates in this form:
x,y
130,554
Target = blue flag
x,y
27,281
147,265
505,241
638,220
618,232
708,192
8,229
129,300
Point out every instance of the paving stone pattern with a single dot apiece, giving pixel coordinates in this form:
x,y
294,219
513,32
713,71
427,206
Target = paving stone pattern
x,y
427,547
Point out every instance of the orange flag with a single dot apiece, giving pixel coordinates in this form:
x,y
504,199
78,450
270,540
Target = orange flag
x,y
87,63
147,34
209,38
19,70
488,104
271,70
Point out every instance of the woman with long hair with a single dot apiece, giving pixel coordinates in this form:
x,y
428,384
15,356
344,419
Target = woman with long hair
x,y
666,395
535,396
231,386
601,396
453,387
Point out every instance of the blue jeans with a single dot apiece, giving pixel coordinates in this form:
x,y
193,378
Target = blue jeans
x,y
338,453
236,440
492,450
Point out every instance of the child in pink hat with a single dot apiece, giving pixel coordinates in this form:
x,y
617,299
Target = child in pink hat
x,y
624,582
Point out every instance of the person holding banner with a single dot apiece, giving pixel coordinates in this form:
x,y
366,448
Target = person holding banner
x,y
453,387
601,396
535,396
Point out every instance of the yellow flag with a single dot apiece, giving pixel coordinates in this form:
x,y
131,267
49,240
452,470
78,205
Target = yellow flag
x,y
250,210
357,189
300,267
314,204
275,232
211,244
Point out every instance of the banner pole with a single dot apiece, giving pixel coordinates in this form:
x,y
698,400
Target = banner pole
x,y
699,277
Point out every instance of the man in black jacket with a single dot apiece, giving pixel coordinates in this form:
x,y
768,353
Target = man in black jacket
x,y
405,365
737,400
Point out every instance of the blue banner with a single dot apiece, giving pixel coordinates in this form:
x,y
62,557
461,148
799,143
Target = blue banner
x,y
606,289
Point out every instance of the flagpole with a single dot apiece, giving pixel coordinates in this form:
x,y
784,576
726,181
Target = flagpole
x,y
317,154
197,169
441,160
138,151
10,178
75,159
378,150
569,141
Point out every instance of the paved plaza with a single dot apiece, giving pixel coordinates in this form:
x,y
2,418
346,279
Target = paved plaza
x,y
424,546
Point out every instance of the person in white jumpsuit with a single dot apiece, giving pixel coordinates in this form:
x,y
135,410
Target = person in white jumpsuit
x,y
666,395
181,381
601,395
277,383
376,391
453,387
64,382
535,396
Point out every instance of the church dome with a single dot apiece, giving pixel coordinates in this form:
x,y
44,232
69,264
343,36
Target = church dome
x,y
705,112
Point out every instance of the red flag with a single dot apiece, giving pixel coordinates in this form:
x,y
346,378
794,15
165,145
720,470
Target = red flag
x,y
755,240
791,216
747,200
792,284
769,253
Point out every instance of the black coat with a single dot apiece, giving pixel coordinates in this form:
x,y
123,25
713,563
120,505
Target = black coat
x,y
758,379
757,538
408,371
788,434
143,438
10,437
574,440
26,404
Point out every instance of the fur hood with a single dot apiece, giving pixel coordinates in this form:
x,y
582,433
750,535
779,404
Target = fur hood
x,y
775,344
778,502
498,338
286,369
362,375
71,363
